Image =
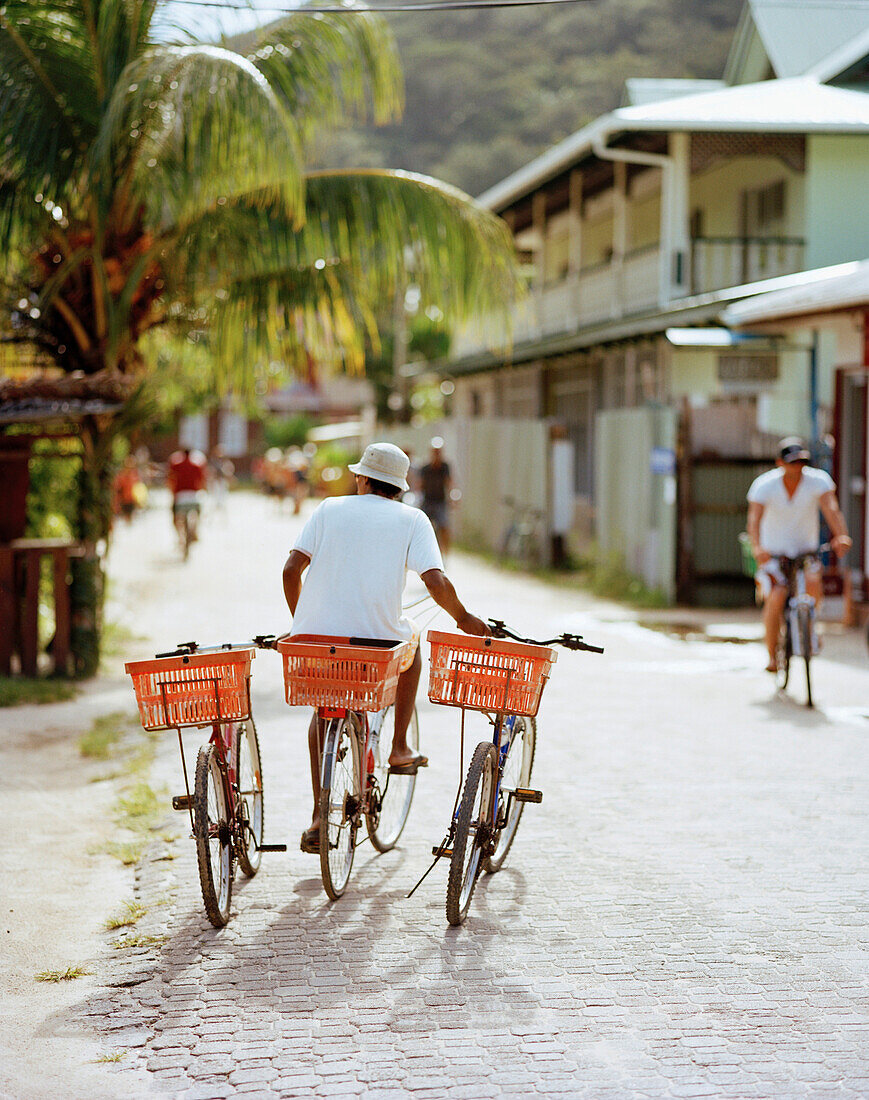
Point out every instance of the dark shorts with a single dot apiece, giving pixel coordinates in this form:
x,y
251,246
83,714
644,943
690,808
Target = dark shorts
x,y
438,512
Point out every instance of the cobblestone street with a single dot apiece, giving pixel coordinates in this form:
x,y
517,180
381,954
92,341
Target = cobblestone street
x,y
685,915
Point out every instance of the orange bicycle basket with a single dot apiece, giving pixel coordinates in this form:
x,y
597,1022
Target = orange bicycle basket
x,y
322,671
194,690
487,673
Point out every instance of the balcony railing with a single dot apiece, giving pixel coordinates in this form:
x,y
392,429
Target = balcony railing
x,y
622,287
718,262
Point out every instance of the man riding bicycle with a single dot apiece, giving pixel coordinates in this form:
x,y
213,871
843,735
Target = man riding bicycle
x,y
357,550
186,479
783,523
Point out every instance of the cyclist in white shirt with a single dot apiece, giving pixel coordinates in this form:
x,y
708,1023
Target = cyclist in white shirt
x,y
783,507
357,550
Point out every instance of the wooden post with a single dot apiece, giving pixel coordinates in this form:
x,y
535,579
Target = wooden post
x,y
8,610
29,648
61,612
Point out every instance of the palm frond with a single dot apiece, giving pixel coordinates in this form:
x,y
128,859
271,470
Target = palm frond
x,y
410,228
331,68
48,103
187,129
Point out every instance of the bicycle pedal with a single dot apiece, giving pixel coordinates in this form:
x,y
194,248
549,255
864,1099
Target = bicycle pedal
x,y
523,794
438,851
272,847
182,801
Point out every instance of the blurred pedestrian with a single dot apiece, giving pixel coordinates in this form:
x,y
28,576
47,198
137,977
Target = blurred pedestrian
x,y
435,486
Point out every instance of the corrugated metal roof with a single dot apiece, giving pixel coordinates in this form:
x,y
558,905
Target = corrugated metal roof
x,y
842,286
799,34
799,105
639,90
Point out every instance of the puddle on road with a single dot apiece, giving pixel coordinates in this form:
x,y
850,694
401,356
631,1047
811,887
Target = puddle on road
x,y
735,633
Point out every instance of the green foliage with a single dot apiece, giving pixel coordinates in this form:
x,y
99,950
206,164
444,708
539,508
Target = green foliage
x,y
68,975
605,575
101,739
17,691
52,499
487,91
289,431
127,917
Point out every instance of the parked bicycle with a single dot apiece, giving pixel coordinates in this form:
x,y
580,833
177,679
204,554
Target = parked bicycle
x,y
198,687
348,679
522,540
505,680
798,635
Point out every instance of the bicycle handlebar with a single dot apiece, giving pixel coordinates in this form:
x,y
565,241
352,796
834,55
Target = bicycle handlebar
x,y
185,649
569,641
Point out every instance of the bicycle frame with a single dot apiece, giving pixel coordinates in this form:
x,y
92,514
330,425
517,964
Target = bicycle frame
x,y
366,733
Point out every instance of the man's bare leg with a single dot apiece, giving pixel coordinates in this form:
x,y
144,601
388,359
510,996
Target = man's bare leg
x,y
773,609
405,698
315,751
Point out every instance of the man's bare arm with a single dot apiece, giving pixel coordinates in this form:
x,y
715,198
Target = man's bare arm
x,y
441,590
832,513
295,566
755,511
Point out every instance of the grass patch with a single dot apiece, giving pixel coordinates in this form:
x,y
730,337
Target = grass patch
x,y
16,691
68,975
125,942
139,806
101,740
132,912
128,852
115,1056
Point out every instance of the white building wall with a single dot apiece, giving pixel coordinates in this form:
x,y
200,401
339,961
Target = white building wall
x,y
837,171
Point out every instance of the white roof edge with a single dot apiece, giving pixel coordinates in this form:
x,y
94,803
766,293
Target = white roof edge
x,y
682,117
835,63
834,287
548,164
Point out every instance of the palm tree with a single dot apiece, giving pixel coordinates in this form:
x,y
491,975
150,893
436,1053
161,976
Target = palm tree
x,y
150,183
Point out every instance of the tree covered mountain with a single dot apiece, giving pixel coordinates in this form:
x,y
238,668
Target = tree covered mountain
x,y
486,91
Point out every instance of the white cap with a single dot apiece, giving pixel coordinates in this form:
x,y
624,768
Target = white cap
x,y
383,462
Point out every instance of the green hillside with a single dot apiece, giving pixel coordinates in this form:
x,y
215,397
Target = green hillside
x,y
489,90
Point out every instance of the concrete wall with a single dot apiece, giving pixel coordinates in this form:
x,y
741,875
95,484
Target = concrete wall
x,y
837,170
490,459
635,493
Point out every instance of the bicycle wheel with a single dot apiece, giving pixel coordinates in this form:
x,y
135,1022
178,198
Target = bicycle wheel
x,y
249,777
340,805
185,535
515,772
804,626
473,832
392,794
213,841
783,652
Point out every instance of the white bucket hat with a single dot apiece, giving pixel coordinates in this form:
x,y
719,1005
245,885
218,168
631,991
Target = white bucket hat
x,y
383,462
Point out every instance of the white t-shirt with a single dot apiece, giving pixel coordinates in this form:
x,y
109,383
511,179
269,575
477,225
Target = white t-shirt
x,y
789,525
360,549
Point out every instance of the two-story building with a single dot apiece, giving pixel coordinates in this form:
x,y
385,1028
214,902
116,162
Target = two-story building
x,y
654,218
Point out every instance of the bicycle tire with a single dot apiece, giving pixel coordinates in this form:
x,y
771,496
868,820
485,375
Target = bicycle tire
x,y
185,536
249,798
340,805
213,839
392,794
783,653
472,833
515,772
804,625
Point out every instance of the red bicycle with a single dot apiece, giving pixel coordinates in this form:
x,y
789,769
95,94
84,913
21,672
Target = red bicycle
x,y
348,679
198,687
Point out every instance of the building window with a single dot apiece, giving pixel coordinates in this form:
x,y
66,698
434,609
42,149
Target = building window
x,y
765,209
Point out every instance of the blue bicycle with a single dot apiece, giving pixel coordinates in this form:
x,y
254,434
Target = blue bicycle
x,y
505,680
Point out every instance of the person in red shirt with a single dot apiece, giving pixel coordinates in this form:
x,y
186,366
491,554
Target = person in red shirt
x,y
186,478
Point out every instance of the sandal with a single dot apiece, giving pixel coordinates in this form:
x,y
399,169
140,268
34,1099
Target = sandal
x,y
311,840
411,767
